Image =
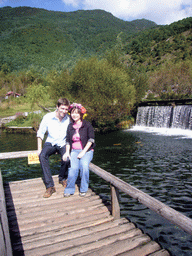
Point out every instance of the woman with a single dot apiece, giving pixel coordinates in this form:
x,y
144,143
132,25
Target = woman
x,y
80,141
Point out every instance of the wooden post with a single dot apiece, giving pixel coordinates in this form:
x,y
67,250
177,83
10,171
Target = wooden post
x,y
115,208
5,242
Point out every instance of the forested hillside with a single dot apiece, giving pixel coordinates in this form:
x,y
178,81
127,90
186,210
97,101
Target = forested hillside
x,y
164,54
49,39
93,58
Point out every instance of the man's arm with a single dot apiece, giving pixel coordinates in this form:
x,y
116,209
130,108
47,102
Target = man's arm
x,y
39,145
40,133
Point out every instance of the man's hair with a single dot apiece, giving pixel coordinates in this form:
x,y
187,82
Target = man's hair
x,y
63,101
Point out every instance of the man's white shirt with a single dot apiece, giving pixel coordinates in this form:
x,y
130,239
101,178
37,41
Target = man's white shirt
x,y
56,129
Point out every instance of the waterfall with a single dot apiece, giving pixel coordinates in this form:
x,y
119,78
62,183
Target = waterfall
x,y
165,116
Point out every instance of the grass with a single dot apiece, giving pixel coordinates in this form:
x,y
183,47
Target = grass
x,y
17,107
12,106
32,120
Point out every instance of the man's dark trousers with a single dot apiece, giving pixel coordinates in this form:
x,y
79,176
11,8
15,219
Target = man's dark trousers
x,y
46,152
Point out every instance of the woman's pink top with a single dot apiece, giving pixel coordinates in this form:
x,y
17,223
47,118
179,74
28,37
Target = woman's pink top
x,y
76,144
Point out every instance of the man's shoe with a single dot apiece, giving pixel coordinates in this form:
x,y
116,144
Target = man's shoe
x,y
63,183
49,191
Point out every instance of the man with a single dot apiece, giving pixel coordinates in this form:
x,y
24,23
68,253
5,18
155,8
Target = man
x,y
55,123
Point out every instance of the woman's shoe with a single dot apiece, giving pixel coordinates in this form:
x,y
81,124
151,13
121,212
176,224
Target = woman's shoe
x,y
67,195
82,193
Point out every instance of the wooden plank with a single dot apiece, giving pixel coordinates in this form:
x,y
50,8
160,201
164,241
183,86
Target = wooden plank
x,y
143,250
163,210
111,245
58,219
62,225
28,212
87,228
83,244
161,252
77,237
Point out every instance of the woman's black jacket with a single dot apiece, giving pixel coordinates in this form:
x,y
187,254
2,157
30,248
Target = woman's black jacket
x,y
86,133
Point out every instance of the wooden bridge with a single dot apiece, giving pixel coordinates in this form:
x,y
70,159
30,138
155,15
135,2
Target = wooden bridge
x,y
75,225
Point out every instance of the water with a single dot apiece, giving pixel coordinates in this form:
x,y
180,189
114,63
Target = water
x,y
158,164
165,116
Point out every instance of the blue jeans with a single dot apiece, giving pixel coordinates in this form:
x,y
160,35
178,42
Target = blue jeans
x,y
46,152
77,164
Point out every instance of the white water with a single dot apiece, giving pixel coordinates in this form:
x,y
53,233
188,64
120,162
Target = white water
x,y
182,133
165,120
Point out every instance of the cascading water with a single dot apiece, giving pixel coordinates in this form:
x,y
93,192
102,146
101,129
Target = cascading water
x,y
154,116
165,116
182,117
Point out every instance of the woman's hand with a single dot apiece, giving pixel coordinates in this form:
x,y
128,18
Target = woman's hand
x,y
81,154
86,148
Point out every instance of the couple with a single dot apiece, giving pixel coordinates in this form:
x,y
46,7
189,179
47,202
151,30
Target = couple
x,y
71,137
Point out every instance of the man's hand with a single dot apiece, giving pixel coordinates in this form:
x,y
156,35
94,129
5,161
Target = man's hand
x,y
65,156
38,152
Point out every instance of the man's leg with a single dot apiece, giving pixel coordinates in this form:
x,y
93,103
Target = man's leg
x,y
46,152
63,172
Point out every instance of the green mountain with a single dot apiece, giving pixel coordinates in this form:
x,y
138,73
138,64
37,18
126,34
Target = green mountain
x,y
162,58
48,39
157,46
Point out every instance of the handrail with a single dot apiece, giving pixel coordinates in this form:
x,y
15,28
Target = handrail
x,y
5,242
165,211
160,208
17,154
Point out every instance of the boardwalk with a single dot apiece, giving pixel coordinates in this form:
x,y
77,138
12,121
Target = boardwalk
x,y
69,226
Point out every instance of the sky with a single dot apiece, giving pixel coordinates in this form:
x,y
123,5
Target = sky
x,y
162,12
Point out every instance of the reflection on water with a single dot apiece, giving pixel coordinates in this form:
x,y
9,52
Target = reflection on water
x,y
158,165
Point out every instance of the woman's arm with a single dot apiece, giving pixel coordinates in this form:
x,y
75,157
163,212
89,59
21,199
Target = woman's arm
x,y
86,148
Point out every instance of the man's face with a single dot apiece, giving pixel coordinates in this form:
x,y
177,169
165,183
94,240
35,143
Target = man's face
x,y
62,110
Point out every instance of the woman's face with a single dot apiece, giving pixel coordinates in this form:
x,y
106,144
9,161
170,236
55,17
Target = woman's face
x,y
75,116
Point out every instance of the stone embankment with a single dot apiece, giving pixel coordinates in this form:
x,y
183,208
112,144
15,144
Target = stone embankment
x,y
14,129
6,120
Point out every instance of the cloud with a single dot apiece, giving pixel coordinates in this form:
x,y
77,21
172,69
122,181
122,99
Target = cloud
x,y
159,11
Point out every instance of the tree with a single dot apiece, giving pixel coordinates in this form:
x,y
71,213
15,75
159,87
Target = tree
x,y
37,94
104,89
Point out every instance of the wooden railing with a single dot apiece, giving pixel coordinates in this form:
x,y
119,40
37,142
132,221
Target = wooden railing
x,y
5,242
165,211
117,184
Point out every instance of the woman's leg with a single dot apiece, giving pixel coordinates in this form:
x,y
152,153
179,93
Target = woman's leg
x,y
84,170
73,173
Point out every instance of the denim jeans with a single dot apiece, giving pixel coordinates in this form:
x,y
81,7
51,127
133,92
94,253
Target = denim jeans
x,y
46,152
77,165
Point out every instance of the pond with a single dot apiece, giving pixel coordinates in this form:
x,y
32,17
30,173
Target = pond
x,y
159,165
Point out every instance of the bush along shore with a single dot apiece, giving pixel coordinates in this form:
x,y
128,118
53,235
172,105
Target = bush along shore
x,y
20,123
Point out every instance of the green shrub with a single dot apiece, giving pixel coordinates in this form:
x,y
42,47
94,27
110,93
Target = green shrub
x,y
104,89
